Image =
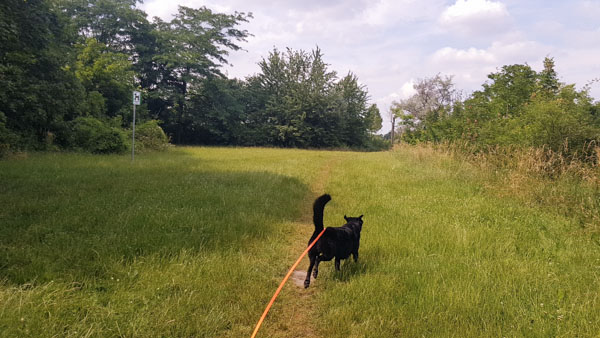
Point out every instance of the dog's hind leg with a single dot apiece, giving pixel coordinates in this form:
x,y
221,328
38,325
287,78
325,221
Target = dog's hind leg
x,y
310,267
316,272
337,264
355,256
320,259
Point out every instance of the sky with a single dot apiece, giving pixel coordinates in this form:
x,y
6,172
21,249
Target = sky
x,y
390,44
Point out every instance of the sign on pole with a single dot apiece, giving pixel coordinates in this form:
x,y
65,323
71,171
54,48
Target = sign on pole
x,y
137,99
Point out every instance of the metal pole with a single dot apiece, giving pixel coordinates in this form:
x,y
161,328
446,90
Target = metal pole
x,y
133,137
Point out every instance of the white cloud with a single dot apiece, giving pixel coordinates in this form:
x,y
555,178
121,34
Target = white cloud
x,y
476,17
471,66
471,55
589,8
386,43
389,12
407,90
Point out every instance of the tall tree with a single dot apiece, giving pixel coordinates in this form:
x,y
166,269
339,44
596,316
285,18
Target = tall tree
x,y
508,90
374,120
432,103
304,103
107,77
434,97
548,79
352,107
36,92
114,23
192,46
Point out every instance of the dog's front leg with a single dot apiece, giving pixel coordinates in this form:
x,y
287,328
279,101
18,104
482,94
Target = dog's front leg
x,y
337,264
310,267
355,255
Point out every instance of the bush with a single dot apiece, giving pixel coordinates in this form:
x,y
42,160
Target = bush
x,y
559,125
8,139
376,143
93,135
149,136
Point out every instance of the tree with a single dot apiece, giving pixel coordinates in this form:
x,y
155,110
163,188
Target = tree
x,y
374,120
434,97
216,113
114,23
548,79
352,107
299,103
509,90
296,87
37,93
433,101
107,77
192,47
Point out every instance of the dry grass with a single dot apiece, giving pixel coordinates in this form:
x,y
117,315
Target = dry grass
x,y
538,177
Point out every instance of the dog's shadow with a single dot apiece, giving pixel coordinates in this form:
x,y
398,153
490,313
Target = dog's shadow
x,y
350,269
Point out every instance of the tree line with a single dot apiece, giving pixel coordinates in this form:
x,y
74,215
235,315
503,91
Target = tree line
x,y
516,107
68,69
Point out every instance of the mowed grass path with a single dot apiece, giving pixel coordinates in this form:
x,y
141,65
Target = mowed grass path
x,y
194,241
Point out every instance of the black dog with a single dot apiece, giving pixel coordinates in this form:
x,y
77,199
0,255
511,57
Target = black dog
x,y
337,242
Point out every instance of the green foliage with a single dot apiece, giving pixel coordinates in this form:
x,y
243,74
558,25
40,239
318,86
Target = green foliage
x,y
374,121
114,23
93,135
296,101
8,139
36,92
376,143
548,79
190,48
64,59
509,90
517,108
107,77
149,136
215,114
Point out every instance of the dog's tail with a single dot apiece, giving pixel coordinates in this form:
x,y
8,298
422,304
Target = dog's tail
x,y
318,208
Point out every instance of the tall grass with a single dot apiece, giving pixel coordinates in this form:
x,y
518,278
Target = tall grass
x,y
542,177
186,243
193,241
443,254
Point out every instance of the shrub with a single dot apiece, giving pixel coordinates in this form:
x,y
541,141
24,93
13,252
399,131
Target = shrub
x,y
8,139
149,136
93,135
376,143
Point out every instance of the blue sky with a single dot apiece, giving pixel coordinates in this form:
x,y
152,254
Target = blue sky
x,y
389,44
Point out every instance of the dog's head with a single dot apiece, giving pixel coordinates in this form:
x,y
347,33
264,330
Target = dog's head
x,y
355,221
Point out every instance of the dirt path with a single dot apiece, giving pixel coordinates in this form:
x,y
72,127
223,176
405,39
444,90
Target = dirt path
x,y
298,310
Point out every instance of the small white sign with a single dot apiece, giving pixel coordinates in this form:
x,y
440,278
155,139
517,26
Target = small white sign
x,y
137,98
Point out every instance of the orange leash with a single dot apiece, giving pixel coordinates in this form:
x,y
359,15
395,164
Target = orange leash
x,y
262,318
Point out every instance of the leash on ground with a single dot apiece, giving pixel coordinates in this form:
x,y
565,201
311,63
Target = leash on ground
x,y
262,318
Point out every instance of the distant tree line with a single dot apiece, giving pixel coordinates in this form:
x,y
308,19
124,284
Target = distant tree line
x,y
68,69
516,107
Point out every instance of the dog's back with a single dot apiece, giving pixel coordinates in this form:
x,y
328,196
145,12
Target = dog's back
x,y
340,242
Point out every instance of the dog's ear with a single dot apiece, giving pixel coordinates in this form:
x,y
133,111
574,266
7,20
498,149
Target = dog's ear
x,y
360,217
346,218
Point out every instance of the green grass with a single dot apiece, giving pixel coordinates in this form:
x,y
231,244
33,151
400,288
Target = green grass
x,y
176,244
194,241
441,256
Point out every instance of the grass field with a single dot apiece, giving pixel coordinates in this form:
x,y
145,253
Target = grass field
x,y
194,241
